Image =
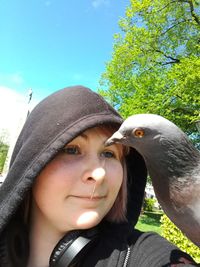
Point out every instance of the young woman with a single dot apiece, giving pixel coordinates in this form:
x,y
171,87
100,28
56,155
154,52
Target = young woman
x,y
68,200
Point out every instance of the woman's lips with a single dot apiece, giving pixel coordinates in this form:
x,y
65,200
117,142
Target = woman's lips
x,y
90,197
94,197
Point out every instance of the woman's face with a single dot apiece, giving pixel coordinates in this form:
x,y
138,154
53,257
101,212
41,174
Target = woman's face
x,y
80,185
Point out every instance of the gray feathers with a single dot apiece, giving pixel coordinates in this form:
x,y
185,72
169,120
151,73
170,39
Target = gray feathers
x,y
173,164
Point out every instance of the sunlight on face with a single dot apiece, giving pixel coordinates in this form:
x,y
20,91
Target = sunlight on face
x,y
90,216
98,173
79,186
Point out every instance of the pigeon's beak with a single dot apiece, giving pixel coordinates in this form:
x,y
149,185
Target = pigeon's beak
x,y
115,138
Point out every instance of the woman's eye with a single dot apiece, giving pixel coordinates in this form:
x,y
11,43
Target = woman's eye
x,y
71,150
108,154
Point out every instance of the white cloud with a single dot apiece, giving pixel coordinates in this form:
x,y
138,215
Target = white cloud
x,y
99,3
14,108
15,79
13,111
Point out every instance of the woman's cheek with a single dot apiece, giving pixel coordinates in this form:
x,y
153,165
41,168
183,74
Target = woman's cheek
x,y
116,171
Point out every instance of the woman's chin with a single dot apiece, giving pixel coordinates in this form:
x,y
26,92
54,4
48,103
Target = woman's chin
x,y
88,219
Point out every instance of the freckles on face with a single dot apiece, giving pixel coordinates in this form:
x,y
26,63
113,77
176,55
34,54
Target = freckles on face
x,y
79,186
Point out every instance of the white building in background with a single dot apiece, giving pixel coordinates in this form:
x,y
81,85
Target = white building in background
x,y
149,191
14,109
2,177
13,135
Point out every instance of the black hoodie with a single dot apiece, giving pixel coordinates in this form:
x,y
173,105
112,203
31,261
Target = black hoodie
x,y
54,122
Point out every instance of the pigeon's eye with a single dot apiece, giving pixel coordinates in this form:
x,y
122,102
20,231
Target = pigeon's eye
x,y
139,133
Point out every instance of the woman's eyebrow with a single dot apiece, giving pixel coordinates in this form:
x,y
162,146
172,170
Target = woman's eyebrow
x,y
84,136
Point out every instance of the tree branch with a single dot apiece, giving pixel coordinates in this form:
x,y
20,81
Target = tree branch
x,y
174,1
195,17
170,62
174,60
174,26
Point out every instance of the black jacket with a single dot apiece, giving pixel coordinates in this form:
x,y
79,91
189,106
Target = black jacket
x,y
54,122
122,246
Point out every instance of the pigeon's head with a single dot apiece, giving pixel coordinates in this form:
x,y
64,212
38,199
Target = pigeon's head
x,y
144,131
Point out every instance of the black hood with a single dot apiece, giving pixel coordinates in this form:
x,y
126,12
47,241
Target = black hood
x,y
54,122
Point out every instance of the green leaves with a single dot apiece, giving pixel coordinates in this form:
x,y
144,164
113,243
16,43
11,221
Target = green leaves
x,y
155,66
3,149
174,235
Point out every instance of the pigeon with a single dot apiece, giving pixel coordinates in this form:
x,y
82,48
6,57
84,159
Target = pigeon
x,y
173,163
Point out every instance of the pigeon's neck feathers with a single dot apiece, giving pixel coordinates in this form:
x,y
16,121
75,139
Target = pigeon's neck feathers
x,y
175,157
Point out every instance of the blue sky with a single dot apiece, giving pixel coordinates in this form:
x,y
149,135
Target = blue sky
x,y
49,44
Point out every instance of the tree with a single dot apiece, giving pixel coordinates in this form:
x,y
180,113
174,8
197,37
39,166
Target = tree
x,y
174,235
3,149
155,67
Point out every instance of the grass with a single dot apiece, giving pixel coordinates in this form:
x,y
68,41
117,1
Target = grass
x,y
149,221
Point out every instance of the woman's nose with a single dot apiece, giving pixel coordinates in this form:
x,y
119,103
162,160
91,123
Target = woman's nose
x,y
95,171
